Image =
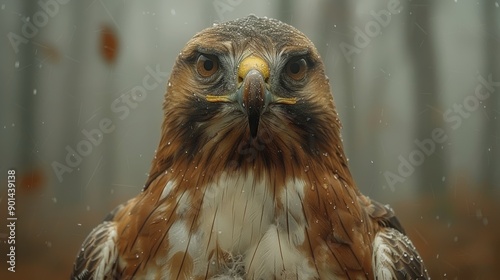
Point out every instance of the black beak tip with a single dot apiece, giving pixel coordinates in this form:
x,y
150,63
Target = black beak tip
x,y
253,122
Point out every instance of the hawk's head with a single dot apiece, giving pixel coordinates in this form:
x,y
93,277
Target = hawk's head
x,y
249,93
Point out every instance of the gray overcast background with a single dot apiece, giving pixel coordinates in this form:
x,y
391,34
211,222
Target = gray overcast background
x,y
416,85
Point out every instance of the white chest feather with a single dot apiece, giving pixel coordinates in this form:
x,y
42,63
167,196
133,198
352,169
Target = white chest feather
x,y
240,218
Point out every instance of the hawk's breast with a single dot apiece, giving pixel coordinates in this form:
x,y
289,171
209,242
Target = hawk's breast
x,y
246,227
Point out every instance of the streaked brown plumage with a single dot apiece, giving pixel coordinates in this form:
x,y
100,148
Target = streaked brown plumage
x,y
250,180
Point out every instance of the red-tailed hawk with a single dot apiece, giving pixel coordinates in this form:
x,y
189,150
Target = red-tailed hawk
x,y
250,180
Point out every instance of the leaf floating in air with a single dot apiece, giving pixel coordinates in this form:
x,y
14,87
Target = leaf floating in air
x,y
108,44
52,53
32,180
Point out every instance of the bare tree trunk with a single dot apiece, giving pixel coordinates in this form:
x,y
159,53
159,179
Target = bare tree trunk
x,y
27,63
490,147
431,169
334,33
285,9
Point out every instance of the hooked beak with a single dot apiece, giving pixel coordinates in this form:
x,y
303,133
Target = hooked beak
x,y
253,99
253,93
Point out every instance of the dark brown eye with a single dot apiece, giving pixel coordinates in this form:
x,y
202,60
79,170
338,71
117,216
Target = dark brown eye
x,y
207,65
296,69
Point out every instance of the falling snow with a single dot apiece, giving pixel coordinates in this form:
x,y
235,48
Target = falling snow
x,y
56,85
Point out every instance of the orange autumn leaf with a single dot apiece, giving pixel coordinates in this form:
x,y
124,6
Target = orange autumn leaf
x,y
52,53
32,180
108,44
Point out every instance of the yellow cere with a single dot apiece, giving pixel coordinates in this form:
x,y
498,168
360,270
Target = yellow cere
x,y
253,62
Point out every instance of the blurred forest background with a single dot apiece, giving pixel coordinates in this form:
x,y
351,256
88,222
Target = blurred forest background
x,y
416,85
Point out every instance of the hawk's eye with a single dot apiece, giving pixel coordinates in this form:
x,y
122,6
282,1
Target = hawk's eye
x,y
296,69
207,65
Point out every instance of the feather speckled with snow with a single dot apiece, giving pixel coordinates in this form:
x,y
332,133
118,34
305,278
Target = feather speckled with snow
x,y
250,180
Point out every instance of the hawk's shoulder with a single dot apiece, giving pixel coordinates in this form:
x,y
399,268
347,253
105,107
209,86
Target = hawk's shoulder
x,y
98,254
394,255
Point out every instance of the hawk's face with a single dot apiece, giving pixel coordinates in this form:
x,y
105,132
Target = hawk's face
x,y
248,93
